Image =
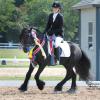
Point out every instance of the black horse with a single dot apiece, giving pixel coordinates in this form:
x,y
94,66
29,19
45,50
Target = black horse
x,y
77,61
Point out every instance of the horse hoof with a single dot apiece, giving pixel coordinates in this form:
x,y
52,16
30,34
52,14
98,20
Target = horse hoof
x,y
71,91
22,89
58,88
41,85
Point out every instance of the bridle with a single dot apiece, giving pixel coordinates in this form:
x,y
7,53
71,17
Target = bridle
x,y
26,39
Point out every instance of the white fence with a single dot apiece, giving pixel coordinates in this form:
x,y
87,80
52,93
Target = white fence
x,y
9,45
11,62
8,59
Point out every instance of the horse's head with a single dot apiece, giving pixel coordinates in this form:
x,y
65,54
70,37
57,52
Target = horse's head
x,y
26,39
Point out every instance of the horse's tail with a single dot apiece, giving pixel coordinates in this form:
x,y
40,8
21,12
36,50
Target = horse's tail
x,y
84,67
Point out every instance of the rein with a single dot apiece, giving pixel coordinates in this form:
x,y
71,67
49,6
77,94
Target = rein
x,y
38,49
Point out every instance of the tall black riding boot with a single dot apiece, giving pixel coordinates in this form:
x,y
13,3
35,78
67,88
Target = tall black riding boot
x,y
56,53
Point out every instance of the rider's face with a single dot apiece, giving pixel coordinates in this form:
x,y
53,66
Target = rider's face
x,y
33,30
55,10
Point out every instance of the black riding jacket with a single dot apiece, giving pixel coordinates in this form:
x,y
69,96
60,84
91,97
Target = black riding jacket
x,y
55,27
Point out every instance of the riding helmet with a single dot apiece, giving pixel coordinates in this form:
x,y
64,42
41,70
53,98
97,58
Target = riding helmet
x,y
56,5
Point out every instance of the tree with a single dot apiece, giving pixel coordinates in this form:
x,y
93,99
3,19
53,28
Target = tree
x,y
38,12
16,14
71,19
11,20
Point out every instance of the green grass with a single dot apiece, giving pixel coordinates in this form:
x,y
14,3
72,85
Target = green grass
x,y
49,78
26,65
11,53
14,66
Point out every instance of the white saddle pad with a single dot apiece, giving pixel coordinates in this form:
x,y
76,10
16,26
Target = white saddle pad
x,y
59,42
65,49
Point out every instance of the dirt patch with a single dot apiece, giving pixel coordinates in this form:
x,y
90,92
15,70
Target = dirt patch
x,y
83,93
23,71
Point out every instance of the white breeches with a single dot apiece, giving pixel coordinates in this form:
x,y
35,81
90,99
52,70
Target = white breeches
x,y
56,40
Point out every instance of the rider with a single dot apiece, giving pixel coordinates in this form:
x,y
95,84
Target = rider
x,y
54,25
37,42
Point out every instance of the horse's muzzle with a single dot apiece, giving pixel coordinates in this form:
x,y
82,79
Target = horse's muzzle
x,y
25,49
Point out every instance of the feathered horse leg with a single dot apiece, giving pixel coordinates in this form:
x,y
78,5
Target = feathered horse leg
x,y
39,82
23,87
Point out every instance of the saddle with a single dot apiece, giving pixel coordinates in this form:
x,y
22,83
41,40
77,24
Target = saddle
x,y
63,45
65,49
55,53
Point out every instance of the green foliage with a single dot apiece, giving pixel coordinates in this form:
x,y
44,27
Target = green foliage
x,y
6,9
16,14
71,19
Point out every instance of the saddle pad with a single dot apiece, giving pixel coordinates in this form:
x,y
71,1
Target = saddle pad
x,y
65,49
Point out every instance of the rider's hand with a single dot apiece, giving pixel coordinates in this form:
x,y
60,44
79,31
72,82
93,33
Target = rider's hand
x,y
37,41
44,55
